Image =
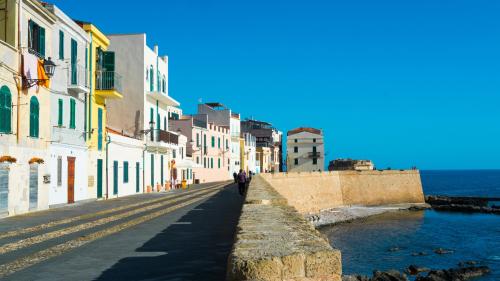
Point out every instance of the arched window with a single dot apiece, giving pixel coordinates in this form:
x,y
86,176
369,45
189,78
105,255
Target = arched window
x,y
34,117
151,79
164,84
5,109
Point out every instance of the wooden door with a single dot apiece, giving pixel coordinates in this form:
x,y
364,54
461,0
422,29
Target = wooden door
x,y
71,180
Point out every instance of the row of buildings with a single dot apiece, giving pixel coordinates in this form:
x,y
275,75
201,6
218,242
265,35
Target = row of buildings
x,y
86,115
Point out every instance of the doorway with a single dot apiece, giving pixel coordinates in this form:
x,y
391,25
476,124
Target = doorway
x,y
71,180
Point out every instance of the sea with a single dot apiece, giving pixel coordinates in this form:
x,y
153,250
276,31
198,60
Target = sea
x,y
398,239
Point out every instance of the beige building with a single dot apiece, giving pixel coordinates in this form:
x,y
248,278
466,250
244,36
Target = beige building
x,y
305,150
25,131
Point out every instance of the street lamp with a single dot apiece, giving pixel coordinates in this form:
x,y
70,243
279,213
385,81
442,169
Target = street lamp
x,y
49,66
151,129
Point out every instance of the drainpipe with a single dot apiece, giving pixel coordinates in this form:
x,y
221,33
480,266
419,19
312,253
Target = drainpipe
x,y
143,168
19,84
108,141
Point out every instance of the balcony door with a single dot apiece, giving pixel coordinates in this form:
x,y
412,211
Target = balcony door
x,y
74,68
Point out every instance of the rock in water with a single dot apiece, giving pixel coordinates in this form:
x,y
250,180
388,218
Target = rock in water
x,y
355,277
455,274
414,269
441,251
391,275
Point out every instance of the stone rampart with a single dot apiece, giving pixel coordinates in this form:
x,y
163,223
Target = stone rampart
x,y
274,242
311,192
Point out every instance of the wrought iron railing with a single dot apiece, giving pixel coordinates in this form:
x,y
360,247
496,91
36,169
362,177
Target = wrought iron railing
x,y
164,136
78,76
313,154
108,80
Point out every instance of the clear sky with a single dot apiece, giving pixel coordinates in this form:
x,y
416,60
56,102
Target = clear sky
x,y
414,82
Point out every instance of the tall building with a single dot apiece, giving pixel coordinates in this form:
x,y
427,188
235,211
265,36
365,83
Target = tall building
x,y
268,143
248,147
305,150
69,89
144,114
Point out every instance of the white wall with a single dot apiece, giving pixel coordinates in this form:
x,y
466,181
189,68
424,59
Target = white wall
x,y
305,143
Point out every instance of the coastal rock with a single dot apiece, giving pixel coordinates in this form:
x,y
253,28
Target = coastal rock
x,y
455,274
414,269
390,275
441,251
461,204
467,263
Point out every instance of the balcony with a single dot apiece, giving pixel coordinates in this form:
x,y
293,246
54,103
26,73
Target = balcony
x,y
161,140
313,155
108,84
163,98
77,79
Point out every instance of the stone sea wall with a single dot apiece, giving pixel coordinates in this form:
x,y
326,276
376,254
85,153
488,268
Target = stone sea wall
x,y
274,242
311,192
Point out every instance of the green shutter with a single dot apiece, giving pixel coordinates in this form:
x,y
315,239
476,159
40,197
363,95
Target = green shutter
x,y
61,45
74,69
34,117
72,113
218,163
42,41
60,113
125,171
213,141
5,109
115,177
212,163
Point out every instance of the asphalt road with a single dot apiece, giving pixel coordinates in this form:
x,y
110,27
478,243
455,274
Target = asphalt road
x,y
183,235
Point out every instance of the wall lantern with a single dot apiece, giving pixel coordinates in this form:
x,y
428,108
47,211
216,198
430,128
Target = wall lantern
x,y
49,67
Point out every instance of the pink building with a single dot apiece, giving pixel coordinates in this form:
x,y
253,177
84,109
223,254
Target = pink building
x,y
207,144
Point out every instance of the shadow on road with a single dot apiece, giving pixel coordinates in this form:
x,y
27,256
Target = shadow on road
x,y
187,251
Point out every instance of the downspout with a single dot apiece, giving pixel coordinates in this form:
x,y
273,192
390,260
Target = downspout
x,y
108,141
143,168
19,84
90,86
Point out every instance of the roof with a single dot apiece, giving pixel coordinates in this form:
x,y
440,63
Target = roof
x,y
215,105
305,129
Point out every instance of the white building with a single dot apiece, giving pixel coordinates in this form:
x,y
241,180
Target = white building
x,y
249,153
144,111
69,85
219,115
305,150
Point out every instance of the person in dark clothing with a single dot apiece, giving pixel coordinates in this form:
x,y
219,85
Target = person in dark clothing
x,y
242,179
235,176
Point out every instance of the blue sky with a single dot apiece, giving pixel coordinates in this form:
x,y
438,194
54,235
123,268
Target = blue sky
x,y
403,83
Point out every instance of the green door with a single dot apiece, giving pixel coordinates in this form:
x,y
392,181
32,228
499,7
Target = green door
x,y
115,177
99,178
137,177
74,68
108,65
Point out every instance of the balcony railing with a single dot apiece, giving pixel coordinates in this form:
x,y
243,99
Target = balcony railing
x,y
108,80
77,76
164,136
313,155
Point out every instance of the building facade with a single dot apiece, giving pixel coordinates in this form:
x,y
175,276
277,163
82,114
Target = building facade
x,y
269,137
146,108
69,87
305,150
248,153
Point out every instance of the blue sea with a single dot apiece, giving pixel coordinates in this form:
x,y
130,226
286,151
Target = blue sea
x,y
391,240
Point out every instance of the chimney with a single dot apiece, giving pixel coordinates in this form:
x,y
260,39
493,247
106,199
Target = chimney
x,y
156,49
165,58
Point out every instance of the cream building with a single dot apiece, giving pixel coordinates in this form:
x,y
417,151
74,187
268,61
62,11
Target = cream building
x,y
25,128
305,150
248,153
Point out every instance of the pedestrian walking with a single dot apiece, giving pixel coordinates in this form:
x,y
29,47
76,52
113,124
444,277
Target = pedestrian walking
x,y
235,177
242,179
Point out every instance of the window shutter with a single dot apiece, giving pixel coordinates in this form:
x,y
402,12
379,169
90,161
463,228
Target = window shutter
x,y
60,113
5,109
61,45
42,41
125,171
72,109
34,121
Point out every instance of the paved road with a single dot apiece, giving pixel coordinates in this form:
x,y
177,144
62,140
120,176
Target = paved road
x,y
184,235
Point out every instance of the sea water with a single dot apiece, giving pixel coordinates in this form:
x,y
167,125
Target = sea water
x,y
398,239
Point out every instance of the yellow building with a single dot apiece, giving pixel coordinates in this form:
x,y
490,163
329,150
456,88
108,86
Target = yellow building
x,y
243,162
105,83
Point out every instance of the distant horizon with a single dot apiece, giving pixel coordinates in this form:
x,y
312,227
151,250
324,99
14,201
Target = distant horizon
x,y
412,83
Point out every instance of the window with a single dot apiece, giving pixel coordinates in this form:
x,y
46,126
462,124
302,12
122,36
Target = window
x,y
315,161
213,141
34,117
164,84
205,142
158,81
314,140
59,171
295,140
36,39
5,110
197,139
61,45
295,149
72,113
174,153
151,116
212,163
165,123
125,171
59,112
227,144
204,162
218,142
218,163
197,160
296,161
314,149
151,80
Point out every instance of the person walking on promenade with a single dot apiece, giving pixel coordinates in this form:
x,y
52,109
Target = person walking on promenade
x,y
242,180
235,176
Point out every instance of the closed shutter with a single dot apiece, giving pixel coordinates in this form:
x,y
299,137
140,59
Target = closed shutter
x,y
34,117
125,172
5,109
115,177
42,41
60,113
74,54
72,113
61,45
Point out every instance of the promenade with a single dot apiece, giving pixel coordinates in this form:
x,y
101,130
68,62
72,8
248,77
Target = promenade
x,y
181,235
